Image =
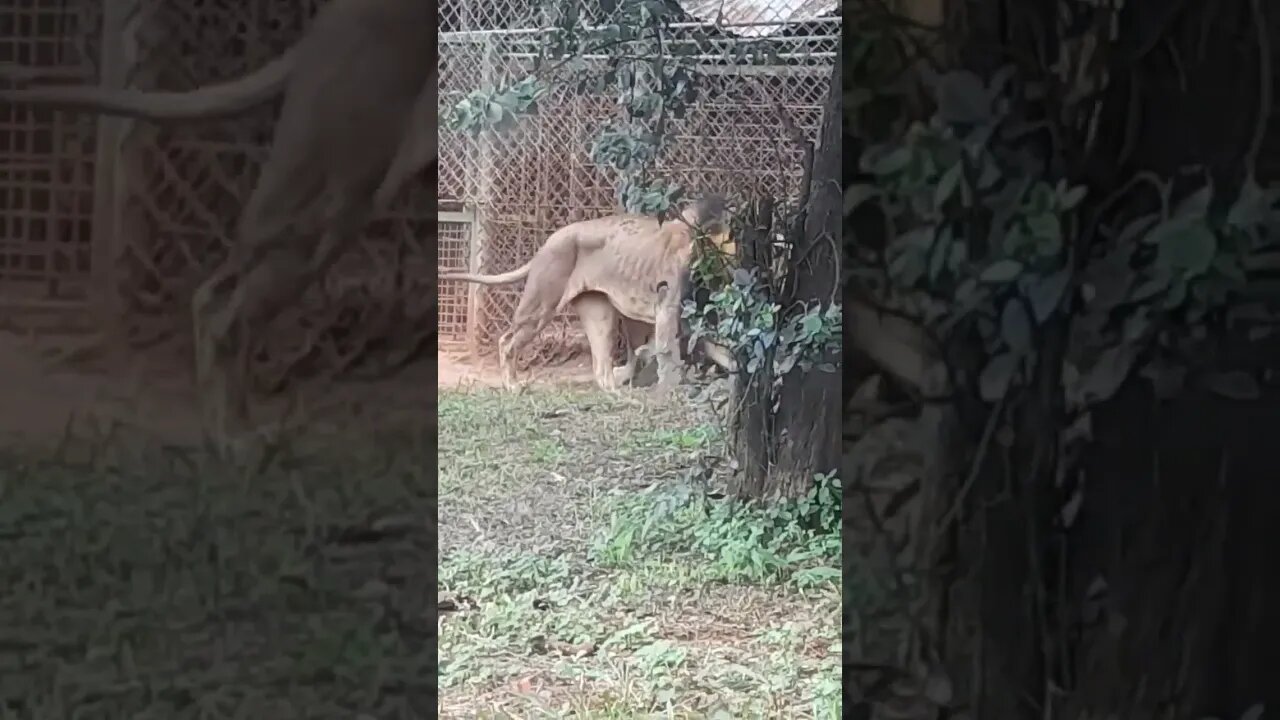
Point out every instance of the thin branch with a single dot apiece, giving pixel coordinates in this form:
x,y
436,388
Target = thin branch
x,y
1264,87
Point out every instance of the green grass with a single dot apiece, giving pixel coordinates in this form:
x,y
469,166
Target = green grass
x,y
595,577
156,583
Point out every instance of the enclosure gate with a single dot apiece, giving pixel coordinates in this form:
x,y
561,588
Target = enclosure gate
x,y
455,232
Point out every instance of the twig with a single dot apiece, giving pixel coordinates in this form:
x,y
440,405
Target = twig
x,y
975,468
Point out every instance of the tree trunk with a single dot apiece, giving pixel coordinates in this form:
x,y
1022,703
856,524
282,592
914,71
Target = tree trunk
x,y
752,392
801,436
807,422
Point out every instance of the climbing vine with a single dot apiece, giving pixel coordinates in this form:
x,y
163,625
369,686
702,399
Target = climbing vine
x,y
652,78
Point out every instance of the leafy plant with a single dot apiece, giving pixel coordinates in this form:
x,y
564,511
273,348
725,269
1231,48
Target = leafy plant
x,y
985,237
795,540
743,316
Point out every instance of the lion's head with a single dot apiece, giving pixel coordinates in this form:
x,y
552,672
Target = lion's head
x,y
710,214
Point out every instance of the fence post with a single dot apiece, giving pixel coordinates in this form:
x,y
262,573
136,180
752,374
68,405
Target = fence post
x,y
479,229
119,54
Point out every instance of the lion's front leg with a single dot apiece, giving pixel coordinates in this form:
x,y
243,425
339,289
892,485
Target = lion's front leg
x,y
666,335
637,334
622,374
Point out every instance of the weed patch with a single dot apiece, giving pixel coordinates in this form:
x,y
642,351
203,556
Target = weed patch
x,y
795,541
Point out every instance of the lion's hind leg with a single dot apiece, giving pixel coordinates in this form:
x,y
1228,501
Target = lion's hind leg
x,y
523,329
543,289
599,323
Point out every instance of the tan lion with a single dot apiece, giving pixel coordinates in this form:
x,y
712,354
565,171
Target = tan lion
x,y
628,267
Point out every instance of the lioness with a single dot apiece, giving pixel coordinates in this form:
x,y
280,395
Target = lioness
x,y
604,268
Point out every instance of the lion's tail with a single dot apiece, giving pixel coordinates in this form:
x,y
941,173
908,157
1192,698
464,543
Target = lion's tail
x,y
505,278
222,100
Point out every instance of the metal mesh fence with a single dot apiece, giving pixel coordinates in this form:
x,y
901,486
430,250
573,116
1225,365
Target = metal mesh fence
x,y
525,183
181,187
454,235
46,160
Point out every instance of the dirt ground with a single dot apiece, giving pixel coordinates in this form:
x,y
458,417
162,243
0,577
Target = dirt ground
x,y
153,393
40,397
458,369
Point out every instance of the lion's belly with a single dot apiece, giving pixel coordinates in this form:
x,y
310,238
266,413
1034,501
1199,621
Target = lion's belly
x,y
630,301
630,279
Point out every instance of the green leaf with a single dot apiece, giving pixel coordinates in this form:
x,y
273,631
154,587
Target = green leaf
x,y
892,163
1136,325
1001,272
1045,225
1015,326
966,291
1071,198
1141,226
1196,205
1251,207
856,195
1234,385
1167,380
962,98
938,255
1229,268
1108,373
495,112
997,376
1046,293
947,185
957,257
1048,232
811,324
1177,293
1187,248
1150,288
1041,199
988,174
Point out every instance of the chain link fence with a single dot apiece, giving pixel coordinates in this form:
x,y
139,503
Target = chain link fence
x,y
521,185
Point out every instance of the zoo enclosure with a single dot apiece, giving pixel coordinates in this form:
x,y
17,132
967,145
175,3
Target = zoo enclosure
x,y
107,220
512,190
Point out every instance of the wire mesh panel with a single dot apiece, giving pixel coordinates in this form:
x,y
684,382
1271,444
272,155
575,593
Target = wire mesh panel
x,y
188,184
47,160
454,255
527,182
